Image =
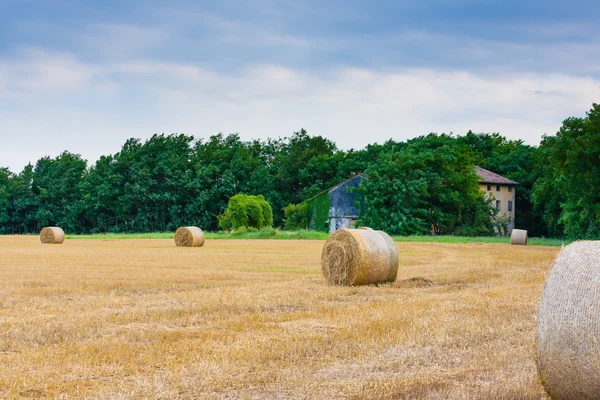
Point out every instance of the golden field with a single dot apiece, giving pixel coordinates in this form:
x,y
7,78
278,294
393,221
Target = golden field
x,y
254,319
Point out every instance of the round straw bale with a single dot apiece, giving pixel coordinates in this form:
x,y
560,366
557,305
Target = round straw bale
x,y
359,257
518,236
568,328
189,236
52,235
365,228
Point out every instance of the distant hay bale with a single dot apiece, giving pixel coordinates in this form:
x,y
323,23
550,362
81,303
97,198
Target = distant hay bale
x,y
359,257
52,235
568,330
518,236
189,236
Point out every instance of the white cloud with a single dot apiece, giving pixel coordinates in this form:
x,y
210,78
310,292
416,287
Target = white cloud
x,y
36,72
352,106
357,106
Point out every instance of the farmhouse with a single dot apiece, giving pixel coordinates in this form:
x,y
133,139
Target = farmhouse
x,y
501,192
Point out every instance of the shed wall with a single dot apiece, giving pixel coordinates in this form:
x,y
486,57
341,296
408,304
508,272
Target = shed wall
x,y
343,210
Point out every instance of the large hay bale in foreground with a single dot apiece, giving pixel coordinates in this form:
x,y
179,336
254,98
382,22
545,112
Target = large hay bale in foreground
x,y
518,236
359,257
189,236
52,235
568,330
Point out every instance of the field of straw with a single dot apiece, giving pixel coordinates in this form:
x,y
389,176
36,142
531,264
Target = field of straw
x,y
254,319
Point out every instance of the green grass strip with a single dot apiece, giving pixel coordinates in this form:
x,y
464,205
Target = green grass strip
x,y
480,239
243,234
314,235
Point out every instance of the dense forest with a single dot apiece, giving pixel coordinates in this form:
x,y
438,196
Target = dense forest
x,y
173,180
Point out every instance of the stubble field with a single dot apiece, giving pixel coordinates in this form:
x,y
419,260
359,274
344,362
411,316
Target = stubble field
x,y
254,319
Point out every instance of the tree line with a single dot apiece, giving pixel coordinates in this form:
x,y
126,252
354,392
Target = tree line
x,y
174,180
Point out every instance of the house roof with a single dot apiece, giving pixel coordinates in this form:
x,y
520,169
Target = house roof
x,y
346,181
334,186
491,177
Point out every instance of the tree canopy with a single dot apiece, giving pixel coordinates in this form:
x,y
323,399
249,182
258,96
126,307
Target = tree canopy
x,y
412,187
567,191
427,185
247,211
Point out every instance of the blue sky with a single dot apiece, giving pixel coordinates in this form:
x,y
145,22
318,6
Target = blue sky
x,y
84,76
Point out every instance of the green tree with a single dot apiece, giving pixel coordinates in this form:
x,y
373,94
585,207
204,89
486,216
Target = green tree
x,y
144,187
222,167
56,184
247,211
172,180
22,203
292,169
296,217
101,189
5,201
569,168
428,185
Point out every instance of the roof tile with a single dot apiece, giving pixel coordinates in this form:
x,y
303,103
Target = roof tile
x,y
491,177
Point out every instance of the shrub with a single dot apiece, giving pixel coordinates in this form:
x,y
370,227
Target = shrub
x,y
296,217
246,211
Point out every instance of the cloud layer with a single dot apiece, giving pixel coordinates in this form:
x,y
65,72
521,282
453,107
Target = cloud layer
x,y
355,74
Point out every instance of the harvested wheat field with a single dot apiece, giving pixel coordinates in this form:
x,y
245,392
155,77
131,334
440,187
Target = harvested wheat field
x,y
255,319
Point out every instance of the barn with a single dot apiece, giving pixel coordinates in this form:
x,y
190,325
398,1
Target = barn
x,y
335,208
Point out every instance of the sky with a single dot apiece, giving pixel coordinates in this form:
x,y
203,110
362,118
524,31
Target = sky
x,y
85,76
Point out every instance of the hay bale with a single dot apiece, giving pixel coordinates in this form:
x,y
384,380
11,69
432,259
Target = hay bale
x,y
518,236
359,257
189,236
568,330
365,228
52,235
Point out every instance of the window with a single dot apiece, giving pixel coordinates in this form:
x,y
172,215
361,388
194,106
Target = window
x,y
497,188
509,205
510,188
498,204
490,188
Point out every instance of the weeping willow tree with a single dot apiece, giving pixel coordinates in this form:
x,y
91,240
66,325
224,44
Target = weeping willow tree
x,y
247,211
